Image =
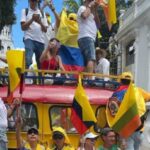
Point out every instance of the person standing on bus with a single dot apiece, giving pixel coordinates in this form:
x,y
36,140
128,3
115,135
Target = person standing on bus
x,y
34,24
102,64
60,140
87,33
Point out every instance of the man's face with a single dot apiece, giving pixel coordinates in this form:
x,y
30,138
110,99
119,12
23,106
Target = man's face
x,y
33,3
59,140
33,136
110,138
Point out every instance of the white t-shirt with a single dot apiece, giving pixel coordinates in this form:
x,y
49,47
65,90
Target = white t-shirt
x,y
87,27
3,115
34,32
103,67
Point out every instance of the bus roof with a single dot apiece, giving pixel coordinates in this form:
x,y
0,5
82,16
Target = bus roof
x,y
57,94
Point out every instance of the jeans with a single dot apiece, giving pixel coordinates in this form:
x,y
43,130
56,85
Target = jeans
x,y
30,48
87,47
134,141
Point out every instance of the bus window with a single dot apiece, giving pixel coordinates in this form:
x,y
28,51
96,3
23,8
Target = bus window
x,y
101,118
28,115
60,116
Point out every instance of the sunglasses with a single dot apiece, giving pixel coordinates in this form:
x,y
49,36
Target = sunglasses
x,y
33,132
58,136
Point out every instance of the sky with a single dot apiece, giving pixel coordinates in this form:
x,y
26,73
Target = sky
x,y
17,33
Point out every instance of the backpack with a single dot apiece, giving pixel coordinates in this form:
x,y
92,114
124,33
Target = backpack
x,y
27,10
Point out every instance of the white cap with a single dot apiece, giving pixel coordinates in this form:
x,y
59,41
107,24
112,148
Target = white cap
x,y
90,135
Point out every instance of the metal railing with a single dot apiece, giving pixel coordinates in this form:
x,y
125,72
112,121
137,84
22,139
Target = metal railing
x,y
59,78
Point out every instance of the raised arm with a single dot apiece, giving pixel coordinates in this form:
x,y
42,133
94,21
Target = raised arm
x,y
12,107
88,10
18,133
44,54
57,17
3,59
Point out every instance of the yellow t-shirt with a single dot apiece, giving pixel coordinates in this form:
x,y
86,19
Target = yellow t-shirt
x,y
39,147
66,147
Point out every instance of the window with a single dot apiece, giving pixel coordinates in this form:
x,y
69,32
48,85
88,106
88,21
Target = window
x,y
130,53
28,115
101,118
8,47
60,116
1,48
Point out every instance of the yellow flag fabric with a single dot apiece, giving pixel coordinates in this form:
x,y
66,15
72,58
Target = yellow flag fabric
x,y
109,7
68,31
112,11
16,66
82,115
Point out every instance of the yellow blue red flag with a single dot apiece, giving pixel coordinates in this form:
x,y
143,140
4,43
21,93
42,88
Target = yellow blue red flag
x,y
82,115
67,34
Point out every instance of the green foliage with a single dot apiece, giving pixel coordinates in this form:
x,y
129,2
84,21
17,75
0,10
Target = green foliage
x,y
7,16
71,5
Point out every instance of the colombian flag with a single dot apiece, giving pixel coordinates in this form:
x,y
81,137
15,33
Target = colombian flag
x,y
82,115
127,119
67,34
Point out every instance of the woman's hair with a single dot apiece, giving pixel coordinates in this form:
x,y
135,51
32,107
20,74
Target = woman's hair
x,y
58,42
54,39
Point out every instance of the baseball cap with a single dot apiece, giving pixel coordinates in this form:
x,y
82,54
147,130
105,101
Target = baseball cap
x,y
90,135
60,132
33,130
127,75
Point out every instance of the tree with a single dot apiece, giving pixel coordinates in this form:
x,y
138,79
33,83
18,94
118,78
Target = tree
x,y
7,16
72,5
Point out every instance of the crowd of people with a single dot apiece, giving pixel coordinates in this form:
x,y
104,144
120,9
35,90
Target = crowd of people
x,y
37,30
39,34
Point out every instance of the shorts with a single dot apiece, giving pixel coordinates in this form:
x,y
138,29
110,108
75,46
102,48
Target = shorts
x,y
87,46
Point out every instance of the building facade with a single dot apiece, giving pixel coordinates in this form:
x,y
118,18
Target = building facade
x,y
134,42
6,43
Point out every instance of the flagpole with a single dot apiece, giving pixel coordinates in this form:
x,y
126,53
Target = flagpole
x,y
20,92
